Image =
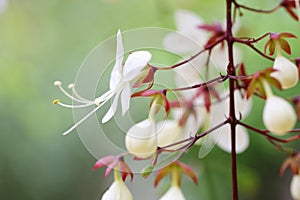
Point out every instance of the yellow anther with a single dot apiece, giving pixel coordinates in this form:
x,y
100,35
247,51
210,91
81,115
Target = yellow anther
x,y
56,101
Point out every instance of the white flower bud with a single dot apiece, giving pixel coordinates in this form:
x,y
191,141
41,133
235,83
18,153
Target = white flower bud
x,y
173,193
117,191
140,139
279,116
295,187
169,132
287,72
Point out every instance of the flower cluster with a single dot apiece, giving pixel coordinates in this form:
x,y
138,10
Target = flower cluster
x,y
206,110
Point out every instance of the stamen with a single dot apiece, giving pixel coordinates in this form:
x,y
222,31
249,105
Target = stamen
x,y
84,118
73,106
75,93
56,101
58,84
104,97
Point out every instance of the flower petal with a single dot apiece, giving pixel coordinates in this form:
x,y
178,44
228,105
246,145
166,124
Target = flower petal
x,y
173,193
116,73
287,72
117,191
295,187
112,110
219,57
242,104
125,99
140,139
169,132
187,21
279,116
134,64
180,43
224,139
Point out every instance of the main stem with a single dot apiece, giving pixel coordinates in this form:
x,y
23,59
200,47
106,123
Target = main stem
x,y
232,117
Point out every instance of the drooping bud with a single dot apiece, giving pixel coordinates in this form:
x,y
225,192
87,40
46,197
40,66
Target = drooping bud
x,y
140,139
287,72
279,116
117,191
173,193
295,187
169,132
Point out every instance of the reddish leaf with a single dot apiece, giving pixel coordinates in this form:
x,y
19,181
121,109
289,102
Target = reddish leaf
x,y
125,170
110,168
285,46
188,171
103,162
160,175
287,35
251,88
274,82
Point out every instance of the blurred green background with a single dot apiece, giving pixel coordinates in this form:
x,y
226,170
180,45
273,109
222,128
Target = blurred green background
x,y
46,40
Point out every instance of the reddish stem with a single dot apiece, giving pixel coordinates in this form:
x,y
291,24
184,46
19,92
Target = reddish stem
x,y
237,5
249,44
217,79
207,47
233,121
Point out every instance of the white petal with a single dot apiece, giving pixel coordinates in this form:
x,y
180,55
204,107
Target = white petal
x,y
180,43
279,116
134,64
242,104
125,99
173,193
224,139
295,187
287,72
112,110
187,21
140,139
189,37
219,56
117,191
116,73
169,132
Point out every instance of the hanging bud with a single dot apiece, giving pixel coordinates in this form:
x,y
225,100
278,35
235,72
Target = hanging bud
x,y
295,187
117,191
169,132
287,72
278,116
140,139
173,193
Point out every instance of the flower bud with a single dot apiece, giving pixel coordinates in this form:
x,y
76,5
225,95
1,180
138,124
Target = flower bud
x,y
140,139
287,72
295,187
117,191
173,193
169,132
279,116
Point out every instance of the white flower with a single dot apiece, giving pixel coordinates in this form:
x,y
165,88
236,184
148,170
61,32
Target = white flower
x,y
169,132
188,38
119,84
173,193
287,72
141,140
279,116
117,191
222,136
295,187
